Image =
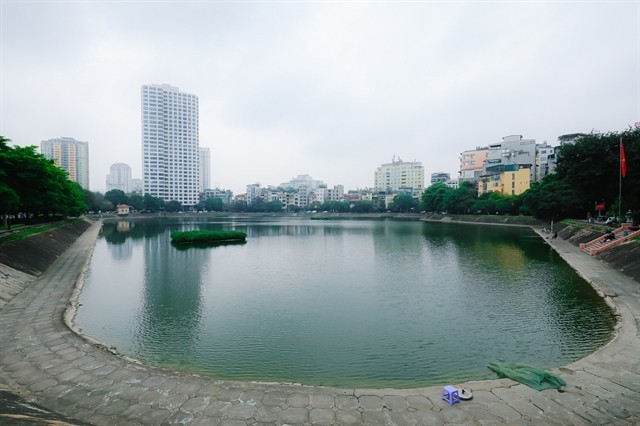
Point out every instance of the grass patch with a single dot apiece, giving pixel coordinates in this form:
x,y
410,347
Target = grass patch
x,y
204,237
32,230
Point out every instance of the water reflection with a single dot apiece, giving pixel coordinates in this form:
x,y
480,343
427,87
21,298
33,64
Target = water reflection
x,y
169,318
345,303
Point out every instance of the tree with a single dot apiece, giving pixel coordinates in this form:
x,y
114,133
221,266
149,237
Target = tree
x,y
9,203
153,204
404,203
213,204
136,201
460,200
433,197
591,167
273,206
173,206
497,202
363,206
117,196
553,198
40,186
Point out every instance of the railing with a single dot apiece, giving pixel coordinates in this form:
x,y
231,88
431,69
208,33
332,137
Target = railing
x,y
599,244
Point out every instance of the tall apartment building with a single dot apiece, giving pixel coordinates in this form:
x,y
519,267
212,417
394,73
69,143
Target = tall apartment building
x,y
119,177
399,174
70,155
170,154
205,169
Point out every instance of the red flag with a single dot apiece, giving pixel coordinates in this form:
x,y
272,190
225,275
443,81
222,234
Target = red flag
x,y
623,160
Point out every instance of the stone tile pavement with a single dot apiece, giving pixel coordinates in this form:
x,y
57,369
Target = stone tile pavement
x,y
42,359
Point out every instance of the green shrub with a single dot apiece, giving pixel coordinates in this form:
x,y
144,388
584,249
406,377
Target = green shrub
x,y
199,237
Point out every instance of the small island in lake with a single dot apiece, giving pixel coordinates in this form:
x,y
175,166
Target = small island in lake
x,y
207,237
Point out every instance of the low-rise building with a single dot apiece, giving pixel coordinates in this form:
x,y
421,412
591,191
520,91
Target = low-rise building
x,y
122,210
224,194
510,179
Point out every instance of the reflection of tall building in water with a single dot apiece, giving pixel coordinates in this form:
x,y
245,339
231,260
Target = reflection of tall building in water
x,y
172,306
123,250
70,155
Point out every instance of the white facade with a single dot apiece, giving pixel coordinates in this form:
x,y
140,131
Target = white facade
x,y
137,185
119,177
254,191
71,156
545,161
399,174
205,169
170,155
324,194
303,180
224,194
440,177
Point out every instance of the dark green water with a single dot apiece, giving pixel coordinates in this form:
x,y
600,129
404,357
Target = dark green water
x,y
341,303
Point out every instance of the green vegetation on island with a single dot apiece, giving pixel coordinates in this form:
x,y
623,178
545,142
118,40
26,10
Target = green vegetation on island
x,y
207,237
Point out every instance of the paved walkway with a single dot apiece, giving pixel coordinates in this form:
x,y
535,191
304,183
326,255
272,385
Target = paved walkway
x,y
42,359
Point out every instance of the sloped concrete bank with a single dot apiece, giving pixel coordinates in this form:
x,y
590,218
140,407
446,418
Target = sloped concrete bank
x,y
624,257
23,261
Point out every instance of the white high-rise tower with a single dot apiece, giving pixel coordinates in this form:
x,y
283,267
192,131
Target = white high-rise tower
x,y
119,177
205,169
170,155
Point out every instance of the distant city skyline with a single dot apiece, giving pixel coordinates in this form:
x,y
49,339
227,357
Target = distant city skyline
x,y
329,89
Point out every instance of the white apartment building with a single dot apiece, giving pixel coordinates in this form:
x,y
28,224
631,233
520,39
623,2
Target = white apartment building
x,y
545,160
170,154
303,180
399,174
224,194
324,194
70,155
440,177
254,191
205,169
119,177
137,185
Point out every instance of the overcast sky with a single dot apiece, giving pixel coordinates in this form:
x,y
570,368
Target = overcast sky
x,y
330,89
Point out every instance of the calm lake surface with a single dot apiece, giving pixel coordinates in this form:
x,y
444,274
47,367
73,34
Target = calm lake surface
x,y
347,303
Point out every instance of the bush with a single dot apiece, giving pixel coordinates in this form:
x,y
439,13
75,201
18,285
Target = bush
x,y
199,237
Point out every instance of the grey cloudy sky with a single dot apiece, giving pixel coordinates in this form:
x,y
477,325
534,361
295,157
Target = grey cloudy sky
x,y
331,89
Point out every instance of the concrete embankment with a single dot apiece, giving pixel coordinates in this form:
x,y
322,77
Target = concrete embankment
x,y
23,261
624,257
45,361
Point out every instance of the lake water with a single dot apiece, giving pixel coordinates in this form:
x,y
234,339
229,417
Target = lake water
x,y
347,303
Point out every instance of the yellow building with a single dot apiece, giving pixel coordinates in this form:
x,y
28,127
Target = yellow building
x,y
510,179
70,155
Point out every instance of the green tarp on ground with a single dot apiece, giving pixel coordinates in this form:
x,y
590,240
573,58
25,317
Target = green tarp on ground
x,y
534,377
